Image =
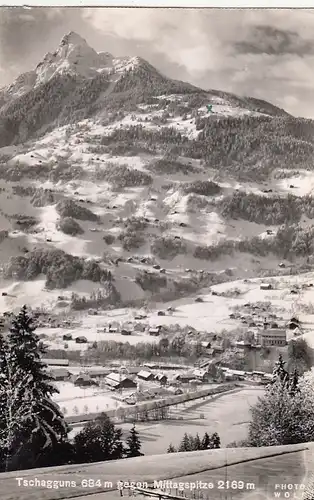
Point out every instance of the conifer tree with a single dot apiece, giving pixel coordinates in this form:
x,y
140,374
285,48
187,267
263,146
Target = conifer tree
x,y
214,440
15,408
99,440
185,444
205,442
197,443
294,383
171,448
37,443
133,444
279,372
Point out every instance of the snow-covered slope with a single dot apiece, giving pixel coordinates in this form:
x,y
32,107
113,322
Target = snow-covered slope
x,y
152,170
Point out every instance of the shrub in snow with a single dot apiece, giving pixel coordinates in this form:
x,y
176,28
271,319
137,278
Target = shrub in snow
x,y
70,226
68,208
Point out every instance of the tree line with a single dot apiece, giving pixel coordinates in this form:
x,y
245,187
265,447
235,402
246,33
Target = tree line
x,y
195,443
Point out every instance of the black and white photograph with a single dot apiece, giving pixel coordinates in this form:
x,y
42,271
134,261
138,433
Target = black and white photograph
x,y
156,253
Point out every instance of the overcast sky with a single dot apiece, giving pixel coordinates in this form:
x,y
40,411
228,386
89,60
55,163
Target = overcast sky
x,y
263,53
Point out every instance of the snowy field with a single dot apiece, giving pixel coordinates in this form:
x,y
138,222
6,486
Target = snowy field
x,y
222,414
77,400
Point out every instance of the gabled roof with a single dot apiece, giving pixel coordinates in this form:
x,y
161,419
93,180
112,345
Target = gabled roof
x,y
144,374
116,377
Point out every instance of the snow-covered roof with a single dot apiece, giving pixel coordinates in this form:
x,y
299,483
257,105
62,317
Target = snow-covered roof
x,y
56,362
144,374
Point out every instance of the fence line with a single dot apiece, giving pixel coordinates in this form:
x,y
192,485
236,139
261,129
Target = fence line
x,y
125,412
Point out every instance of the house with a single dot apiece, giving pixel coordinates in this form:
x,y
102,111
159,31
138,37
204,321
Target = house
x,y
60,374
118,381
133,370
206,344
282,265
217,349
126,332
81,340
112,329
161,378
99,373
186,377
150,365
200,374
266,286
140,316
154,332
84,380
175,390
243,344
67,336
235,374
161,313
293,324
272,337
145,375
56,362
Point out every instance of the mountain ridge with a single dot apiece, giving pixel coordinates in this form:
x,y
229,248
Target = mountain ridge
x,y
120,81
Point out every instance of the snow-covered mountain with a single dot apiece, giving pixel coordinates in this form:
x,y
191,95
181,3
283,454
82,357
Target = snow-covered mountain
x,y
73,57
106,160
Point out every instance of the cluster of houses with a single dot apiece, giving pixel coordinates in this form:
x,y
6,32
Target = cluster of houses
x,y
129,378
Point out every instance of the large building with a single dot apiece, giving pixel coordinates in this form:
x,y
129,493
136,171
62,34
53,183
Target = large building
x,y
272,337
119,381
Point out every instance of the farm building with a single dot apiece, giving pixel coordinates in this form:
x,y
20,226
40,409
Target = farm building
x,y
60,374
145,375
81,340
119,381
99,373
243,344
140,316
206,344
133,370
154,332
293,324
112,329
175,390
67,336
200,374
186,377
150,365
56,362
235,374
161,378
126,332
266,286
84,380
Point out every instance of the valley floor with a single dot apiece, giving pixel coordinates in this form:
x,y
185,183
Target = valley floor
x,y
227,414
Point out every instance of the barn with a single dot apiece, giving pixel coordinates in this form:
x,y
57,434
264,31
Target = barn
x,y
145,375
119,381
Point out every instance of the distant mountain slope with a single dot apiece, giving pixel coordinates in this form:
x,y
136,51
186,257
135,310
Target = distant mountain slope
x,y
76,82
